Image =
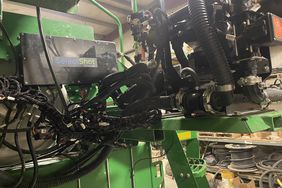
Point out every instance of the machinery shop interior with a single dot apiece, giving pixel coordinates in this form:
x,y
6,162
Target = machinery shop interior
x,y
140,93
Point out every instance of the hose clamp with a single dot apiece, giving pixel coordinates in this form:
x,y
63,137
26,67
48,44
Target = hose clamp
x,y
178,100
224,88
207,99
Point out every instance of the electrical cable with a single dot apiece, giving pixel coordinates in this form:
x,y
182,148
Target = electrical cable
x,y
84,159
61,95
14,51
43,156
5,130
16,138
129,60
89,155
270,171
34,159
113,82
61,179
150,158
38,152
270,176
105,94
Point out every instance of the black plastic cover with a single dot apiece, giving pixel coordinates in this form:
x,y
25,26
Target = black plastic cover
x,y
74,61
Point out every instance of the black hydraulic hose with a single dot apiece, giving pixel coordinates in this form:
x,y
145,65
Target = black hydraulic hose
x,y
164,51
120,76
5,130
56,181
84,159
158,102
42,37
212,47
20,180
38,152
34,160
107,93
191,72
177,46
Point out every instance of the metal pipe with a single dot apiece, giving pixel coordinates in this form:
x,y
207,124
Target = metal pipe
x,y
78,183
134,6
119,25
132,168
162,5
107,166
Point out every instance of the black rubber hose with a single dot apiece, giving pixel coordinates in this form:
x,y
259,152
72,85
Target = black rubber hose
x,y
20,180
211,46
7,119
34,160
164,51
177,46
56,181
39,152
189,71
120,76
84,159
45,49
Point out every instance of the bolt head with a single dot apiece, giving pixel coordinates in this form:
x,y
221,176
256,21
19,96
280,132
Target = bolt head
x,y
267,68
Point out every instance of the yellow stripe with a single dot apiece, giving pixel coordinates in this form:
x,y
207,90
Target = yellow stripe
x,y
184,135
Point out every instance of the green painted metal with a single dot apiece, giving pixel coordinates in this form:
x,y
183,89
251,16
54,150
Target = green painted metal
x,y
202,182
198,167
192,148
61,5
158,174
134,6
120,168
264,121
120,30
119,163
178,162
16,24
134,167
144,135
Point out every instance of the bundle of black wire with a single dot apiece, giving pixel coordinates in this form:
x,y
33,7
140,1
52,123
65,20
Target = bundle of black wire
x,y
10,88
271,171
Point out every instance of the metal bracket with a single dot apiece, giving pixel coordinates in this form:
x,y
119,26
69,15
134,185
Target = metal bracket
x,y
179,163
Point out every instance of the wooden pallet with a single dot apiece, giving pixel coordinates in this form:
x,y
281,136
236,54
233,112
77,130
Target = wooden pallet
x,y
255,136
218,135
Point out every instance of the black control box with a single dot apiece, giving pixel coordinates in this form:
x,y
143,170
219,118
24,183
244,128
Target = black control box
x,y
74,61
